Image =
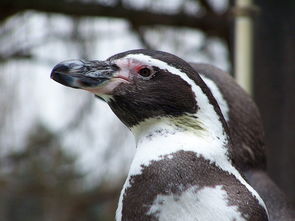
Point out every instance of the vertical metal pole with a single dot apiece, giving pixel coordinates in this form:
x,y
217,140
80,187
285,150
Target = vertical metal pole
x,y
243,44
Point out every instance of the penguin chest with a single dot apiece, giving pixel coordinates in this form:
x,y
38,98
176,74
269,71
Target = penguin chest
x,y
195,203
186,186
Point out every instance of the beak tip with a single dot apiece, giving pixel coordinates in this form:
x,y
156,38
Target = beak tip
x,y
61,72
61,68
60,78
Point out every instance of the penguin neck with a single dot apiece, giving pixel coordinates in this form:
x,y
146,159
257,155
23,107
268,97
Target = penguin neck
x,y
157,137
165,126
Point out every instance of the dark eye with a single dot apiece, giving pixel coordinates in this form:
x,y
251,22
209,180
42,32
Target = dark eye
x,y
145,72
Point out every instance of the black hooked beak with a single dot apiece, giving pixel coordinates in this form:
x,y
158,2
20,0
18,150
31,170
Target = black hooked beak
x,y
83,74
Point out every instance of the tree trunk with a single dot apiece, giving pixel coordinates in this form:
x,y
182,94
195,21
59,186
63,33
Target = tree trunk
x,y
274,87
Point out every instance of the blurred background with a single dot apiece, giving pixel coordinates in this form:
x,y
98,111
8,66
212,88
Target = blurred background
x,y
63,153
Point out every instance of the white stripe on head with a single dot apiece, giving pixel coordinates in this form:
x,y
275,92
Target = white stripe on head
x,y
218,96
206,114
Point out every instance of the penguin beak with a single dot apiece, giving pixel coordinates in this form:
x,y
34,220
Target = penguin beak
x,y
93,76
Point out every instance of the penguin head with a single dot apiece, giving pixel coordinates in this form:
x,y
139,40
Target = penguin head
x,y
141,84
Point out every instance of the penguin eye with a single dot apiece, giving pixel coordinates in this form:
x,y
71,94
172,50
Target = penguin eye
x,y
145,72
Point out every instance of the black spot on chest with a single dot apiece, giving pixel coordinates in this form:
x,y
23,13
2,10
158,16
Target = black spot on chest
x,y
176,173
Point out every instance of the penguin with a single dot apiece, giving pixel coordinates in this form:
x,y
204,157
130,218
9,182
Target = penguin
x,y
195,140
247,135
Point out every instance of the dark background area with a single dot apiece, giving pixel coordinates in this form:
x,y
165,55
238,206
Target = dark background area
x,y
274,80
